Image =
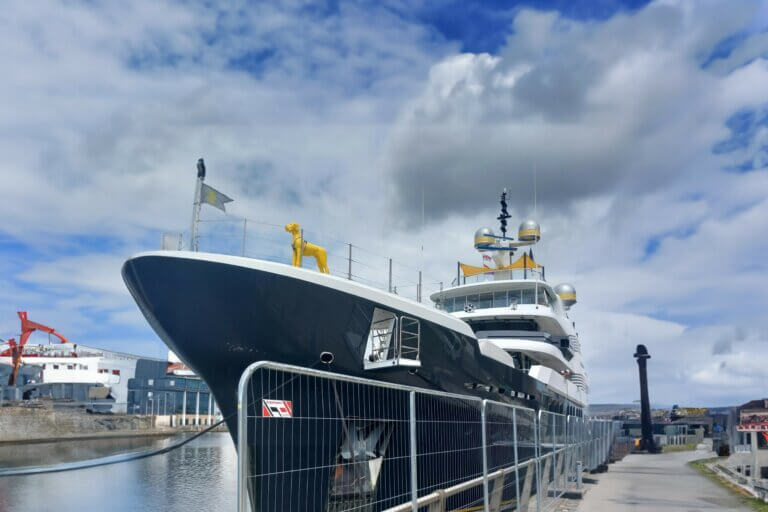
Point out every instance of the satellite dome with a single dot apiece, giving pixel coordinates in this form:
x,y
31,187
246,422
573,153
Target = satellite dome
x,y
529,231
567,294
483,237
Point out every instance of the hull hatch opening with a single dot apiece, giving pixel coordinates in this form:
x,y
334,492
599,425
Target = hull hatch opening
x,y
392,341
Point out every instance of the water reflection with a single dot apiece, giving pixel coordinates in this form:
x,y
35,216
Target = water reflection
x,y
46,454
197,476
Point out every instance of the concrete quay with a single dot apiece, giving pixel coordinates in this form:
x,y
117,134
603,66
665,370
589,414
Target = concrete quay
x,y
658,483
19,425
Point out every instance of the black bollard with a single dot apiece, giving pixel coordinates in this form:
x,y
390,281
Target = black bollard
x,y
646,441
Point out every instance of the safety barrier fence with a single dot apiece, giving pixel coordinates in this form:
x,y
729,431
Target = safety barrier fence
x,y
316,440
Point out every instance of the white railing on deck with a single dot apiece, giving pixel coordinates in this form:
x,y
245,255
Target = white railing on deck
x,y
249,238
500,275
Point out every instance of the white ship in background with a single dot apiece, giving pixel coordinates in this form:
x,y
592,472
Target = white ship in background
x,y
73,371
72,364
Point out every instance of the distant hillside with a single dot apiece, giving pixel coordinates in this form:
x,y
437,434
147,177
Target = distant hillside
x,y
609,409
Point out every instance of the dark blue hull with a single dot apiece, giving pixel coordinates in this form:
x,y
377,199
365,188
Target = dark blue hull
x,y
219,317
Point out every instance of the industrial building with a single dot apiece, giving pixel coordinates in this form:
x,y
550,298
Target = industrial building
x,y
175,399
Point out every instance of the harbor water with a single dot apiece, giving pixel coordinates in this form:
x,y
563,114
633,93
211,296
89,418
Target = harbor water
x,y
197,476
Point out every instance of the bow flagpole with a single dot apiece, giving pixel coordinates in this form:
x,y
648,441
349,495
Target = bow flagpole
x,y
193,245
204,194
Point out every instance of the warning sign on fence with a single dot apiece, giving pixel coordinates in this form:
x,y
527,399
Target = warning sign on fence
x,y
276,408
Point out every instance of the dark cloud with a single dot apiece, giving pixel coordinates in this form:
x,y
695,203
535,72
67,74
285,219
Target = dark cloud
x,y
722,346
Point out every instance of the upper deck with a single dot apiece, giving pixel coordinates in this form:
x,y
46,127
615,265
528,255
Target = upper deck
x,y
507,299
496,294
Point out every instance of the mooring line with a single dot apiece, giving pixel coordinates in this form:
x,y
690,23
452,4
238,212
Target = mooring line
x,y
103,461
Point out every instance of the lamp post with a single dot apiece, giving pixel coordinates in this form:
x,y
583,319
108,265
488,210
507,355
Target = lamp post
x,y
646,441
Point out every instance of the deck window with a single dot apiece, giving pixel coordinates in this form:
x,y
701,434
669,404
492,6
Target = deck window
x,y
518,324
499,299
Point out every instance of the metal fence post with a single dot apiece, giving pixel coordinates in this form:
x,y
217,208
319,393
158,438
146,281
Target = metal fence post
x,y
517,470
554,456
349,271
242,442
414,462
483,425
537,451
579,471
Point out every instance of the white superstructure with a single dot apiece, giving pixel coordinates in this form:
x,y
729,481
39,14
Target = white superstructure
x,y
518,318
538,334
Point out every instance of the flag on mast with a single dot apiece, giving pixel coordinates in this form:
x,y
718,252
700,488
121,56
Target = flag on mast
x,y
213,197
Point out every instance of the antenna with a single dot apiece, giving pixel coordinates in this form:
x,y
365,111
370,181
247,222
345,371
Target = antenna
x,y
422,222
422,213
502,218
421,259
535,191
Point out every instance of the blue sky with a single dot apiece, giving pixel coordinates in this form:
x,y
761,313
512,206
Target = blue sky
x,y
645,123
484,26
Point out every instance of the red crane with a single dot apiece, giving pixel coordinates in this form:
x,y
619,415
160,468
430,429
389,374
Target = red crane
x,y
15,351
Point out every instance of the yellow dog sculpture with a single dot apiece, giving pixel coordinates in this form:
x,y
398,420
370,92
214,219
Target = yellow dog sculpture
x,y
303,248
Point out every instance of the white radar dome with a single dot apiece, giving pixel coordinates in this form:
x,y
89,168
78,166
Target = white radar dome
x,y
567,294
484,236
529,231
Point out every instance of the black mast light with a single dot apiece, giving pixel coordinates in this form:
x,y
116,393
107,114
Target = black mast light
x,y
200,168
504,214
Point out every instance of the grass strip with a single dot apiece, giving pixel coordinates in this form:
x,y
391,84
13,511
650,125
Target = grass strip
x,y
746,498
678,448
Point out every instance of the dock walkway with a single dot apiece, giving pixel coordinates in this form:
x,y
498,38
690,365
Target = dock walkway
x,y
658,483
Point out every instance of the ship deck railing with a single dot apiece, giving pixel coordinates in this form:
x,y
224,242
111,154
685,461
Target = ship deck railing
x,y
500,275
368,264
311,439
237,236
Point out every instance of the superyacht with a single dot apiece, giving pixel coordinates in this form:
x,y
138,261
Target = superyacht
x,y
500,332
